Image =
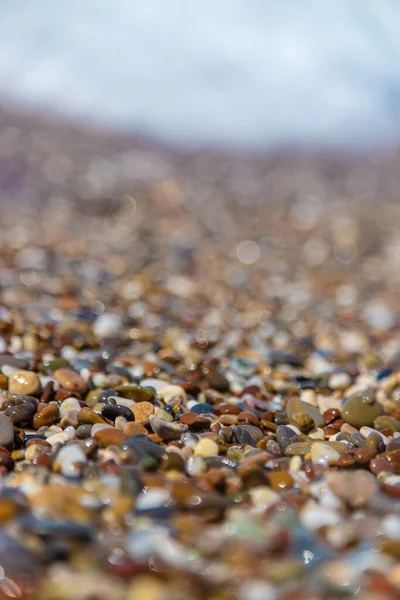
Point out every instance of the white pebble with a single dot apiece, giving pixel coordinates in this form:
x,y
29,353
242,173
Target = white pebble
x,y
70,458
153,498
172,391
69,404
98,427
365,431
58,438
157,384
263,496
317,434
313,516
391,527
339,381
107,324
322,454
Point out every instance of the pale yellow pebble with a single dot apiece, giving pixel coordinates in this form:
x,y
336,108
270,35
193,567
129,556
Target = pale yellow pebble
x,y
24,382
206,447
32,452
323,454
309,396
263,496
346,428
317,434
295,464
394,576
146,587
172,391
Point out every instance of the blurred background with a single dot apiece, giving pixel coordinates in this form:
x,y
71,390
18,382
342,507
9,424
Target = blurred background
x,y
246,143
253,75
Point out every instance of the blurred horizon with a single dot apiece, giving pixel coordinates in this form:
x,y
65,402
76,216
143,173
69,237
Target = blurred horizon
x,y
252,76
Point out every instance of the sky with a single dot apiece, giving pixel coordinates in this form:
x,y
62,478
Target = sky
x,y
244,73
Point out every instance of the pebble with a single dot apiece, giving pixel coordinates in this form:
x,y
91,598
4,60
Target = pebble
x,y
296,405
206,447
109,437
142,411
70,380
24,382
47,416
361,410
322,454
167,431
131,429
70,459
286,436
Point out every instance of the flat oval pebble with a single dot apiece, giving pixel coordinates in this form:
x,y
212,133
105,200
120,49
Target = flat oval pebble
x,y
47,416
361,410
24,382
142,411
296,405
70,380
110,437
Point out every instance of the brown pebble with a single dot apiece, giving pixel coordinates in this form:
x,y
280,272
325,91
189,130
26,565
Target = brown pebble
x,y
110,437
362,456
47,416
38,442
47,393
331,415
142,411
43,459
227,409
6,461
248,417
172,461
379,464
132,428
3,382
70,380
89,416
280,480
345,461
229,420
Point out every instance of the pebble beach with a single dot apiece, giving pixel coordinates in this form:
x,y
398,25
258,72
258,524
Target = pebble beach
x,y
199,371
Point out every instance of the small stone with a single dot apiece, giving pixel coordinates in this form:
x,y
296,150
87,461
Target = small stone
x,y
322,454
87,415
263,497
171,392
206,447
295,405
131,429
24,382
135,392
357,488
303,421
112,411
248,435
167,431
361,410
47,416
286,436
339,381
70,380
164,415
142,411
22,414
83,431
280,481
362,456
110,437
379,465
70,459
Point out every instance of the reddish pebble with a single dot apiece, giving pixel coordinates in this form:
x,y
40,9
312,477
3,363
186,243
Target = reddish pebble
x,y
379,464
110,437
330,415
362,456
